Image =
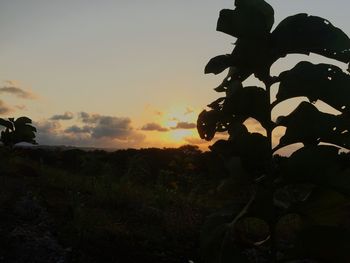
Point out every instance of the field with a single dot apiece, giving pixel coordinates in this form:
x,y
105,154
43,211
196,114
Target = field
x,y
143,205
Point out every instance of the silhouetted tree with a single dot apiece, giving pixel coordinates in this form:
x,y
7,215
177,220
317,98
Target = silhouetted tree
x,y
17,131
296,194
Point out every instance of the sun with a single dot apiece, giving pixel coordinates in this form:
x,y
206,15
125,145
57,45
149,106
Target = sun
x,y
181,135
172,117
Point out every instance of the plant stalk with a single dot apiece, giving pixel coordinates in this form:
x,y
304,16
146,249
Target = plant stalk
x,y
270,175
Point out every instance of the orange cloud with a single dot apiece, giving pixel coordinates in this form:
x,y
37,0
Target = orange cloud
x,y
153,127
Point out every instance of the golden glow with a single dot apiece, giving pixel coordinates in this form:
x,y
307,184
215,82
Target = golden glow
x,y
170,119
177,114
180,135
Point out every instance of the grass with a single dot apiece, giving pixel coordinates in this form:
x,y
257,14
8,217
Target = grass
x,y
106,217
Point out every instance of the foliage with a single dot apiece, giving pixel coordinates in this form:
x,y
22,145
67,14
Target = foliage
x,y
252,231
98,208
16,131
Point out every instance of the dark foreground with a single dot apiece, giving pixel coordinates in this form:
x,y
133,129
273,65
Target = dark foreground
x,y
126,206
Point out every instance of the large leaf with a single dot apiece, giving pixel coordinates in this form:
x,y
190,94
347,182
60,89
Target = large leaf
x,y
6,123
25,134
209,122
231,79
288,195
308,125
21,131
301,34
323,81
238,105
287,228
252,231
324,207
252,148
306,34
218,64
251,18
22,121
319,165
218,242
249,102
248,57
236,130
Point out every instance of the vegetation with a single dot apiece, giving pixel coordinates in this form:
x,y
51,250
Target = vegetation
x,y
295,209
144,205
17,131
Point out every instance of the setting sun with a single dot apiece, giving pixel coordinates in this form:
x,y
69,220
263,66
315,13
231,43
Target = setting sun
x,y
180,122
177,114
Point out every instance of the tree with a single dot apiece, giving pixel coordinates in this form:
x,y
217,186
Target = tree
x,y
17,131
309,190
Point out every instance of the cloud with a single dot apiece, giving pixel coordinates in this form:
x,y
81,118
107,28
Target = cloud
x,y
153,127
4,109
96,131
47,126
89,118
77,129
152,110
21,107
51,133
66,116
107,126
12,87
112,127
189,111
184,125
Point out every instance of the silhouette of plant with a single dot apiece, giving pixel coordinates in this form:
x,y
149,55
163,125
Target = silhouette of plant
x,y
295,208
17,131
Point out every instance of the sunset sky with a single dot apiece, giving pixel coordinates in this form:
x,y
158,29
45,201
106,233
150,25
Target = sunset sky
x,y
122,73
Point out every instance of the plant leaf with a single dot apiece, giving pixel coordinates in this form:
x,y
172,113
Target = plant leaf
x,y
308,125
251,18
252,148
22,121
21,132
6,123
324,207
209,122
307,34
253,231
232,76
249,102
218,244
248,57
287,227
319,165
218,64
322,81
217,104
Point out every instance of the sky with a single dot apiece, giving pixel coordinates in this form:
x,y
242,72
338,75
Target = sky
x,y
122,73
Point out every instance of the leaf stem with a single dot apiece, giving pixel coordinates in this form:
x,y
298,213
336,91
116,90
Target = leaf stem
x,y
244,210
270,172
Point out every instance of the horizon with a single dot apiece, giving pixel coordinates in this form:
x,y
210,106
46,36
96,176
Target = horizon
x,y
124,75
